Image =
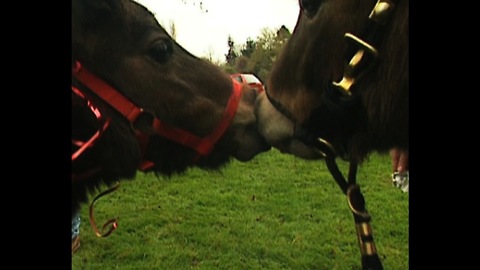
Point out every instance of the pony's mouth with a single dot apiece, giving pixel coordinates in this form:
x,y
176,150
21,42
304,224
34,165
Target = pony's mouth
x,y
299,149
278,130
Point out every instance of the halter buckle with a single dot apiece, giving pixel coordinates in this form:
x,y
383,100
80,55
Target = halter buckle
x,y
357,66
381,12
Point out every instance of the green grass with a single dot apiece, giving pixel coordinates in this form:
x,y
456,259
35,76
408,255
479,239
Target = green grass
x,y
273,212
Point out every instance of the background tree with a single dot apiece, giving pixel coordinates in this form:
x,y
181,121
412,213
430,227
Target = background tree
x,y
268,45
262,57
200,5
241,64
283,34
231,54
248,48
257,56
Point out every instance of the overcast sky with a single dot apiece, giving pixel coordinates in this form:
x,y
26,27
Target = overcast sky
x,y
204,30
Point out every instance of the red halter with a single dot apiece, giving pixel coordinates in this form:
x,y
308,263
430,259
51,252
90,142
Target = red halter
x,y
203,146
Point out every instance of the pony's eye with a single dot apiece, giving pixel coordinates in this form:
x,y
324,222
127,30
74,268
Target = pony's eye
x,y
310,6
161,50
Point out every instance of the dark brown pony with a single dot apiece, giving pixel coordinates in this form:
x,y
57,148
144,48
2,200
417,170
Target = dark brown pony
x,y
313,93
340,88
142,102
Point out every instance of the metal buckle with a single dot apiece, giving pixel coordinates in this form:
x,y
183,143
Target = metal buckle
x,y
353,70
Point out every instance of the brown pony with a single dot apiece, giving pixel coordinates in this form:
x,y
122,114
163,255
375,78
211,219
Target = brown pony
x,y
342,78
339,88
142,102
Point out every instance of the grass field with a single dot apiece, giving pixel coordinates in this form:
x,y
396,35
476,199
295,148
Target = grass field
x,y
274,212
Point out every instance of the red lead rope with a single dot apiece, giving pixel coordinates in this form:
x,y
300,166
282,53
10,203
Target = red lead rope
x,y
89,143
82,146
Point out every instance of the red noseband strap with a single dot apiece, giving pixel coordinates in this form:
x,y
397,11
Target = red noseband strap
x,y
203,146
